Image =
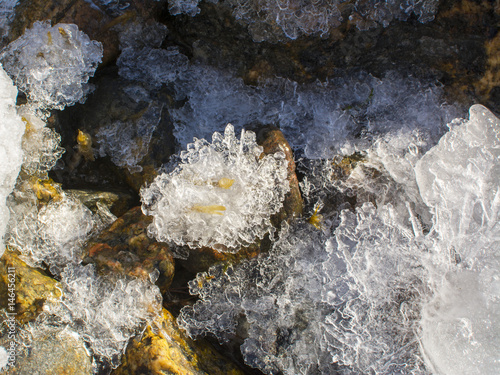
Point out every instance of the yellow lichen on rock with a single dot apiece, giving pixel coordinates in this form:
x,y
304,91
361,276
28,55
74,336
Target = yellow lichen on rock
x,y
32,287
165,349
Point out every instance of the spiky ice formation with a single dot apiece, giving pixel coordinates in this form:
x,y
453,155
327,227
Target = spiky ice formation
x,y
11,154
318,304
222,194
105,311
381,293
276,21
52,65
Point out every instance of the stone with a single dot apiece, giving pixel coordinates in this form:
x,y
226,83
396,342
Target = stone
x,y
32,287
51,351
164,349
125,248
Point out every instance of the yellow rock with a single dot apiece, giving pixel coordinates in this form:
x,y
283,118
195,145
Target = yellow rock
x,y
165,349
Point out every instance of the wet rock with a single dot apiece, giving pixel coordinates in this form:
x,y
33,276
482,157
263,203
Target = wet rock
x,y
117,202
165,349
125,248
32,287
273,140
92,17
53,351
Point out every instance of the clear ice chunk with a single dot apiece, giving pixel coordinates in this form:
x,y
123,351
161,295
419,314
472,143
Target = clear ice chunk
x,y
221,194
52,65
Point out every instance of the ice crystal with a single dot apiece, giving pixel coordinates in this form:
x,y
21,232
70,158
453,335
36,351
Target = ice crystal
x,y
142,58
221,194
378,292
276,21
54,234
319,119
41,145
11,154
460,180
127,142
106,311
52,65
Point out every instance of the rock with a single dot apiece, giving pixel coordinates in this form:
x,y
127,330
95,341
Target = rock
x,y
49,351
165,349
32,287
273,140
125,248
117,202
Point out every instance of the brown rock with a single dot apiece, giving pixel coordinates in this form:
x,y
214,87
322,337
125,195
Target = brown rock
x,y
273,140
32,287
125,248
165,349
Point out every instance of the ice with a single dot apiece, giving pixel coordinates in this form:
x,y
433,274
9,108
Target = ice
x,y
53,234
404,282
7,14
105,310
274,21
11,154
220,194
52,65
460,180
319,119
127,142
41,145
142,58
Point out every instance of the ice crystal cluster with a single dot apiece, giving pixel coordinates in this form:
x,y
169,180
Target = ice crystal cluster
x,y
221,194
105,311
382,289
127,141
7,14
318,119
276,21
52,65
48,226
53,234
11,153
142,58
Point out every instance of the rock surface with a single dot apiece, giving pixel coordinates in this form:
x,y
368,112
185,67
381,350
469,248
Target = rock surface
x,y
165,349
125,248
32,287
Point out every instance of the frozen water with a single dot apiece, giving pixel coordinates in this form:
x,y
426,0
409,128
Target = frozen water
x,y
54,234
142,59
105,310
460,180
7,14
11,154
278,20
386,289
41,145
127,142
319,119
52,65
221,194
